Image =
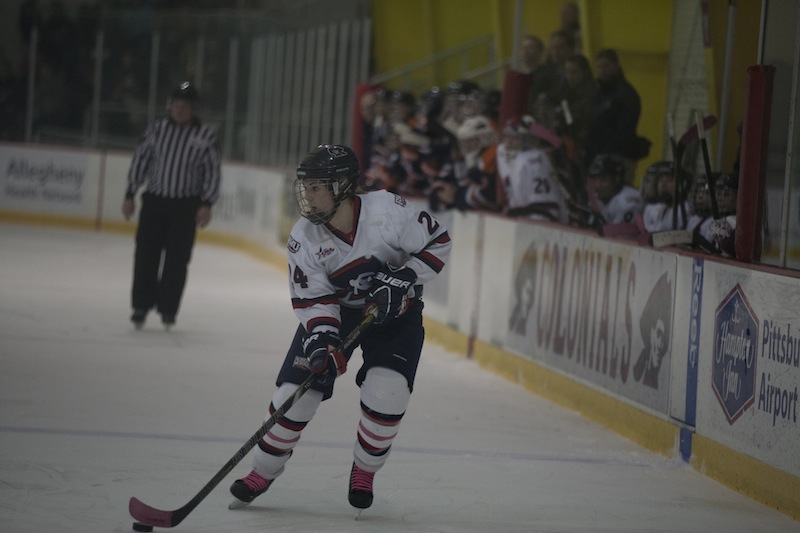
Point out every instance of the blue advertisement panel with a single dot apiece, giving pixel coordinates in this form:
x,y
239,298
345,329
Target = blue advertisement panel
x,y
749,366
693,351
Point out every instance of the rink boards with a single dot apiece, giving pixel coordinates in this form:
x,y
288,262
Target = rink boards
x,y
687,354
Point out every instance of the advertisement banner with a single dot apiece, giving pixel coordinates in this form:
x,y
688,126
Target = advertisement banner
x,y
47,181
601,311
250,205
749,372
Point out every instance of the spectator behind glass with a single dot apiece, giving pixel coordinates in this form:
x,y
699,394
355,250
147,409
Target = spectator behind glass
x,y
428,113
578,94
532,54
615,113
377,146
476,186
491,108
571,23
618,203
548,79
366,109
402,108
406,176
473,103
456,107
437,168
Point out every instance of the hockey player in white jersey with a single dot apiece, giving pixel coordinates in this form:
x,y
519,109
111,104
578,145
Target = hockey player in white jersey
x,y
668,212
349,252
715,235
529,178
618,203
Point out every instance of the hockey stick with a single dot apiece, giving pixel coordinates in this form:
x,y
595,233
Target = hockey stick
x,y
692,134
157,517
676,155
712,180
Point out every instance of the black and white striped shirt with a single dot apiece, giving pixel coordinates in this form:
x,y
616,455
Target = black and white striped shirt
x,y
176,161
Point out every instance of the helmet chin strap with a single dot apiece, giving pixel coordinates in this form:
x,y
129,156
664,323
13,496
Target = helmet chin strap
x,y
321,218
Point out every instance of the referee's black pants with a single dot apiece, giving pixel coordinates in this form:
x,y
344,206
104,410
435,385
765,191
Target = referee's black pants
x,y
164,241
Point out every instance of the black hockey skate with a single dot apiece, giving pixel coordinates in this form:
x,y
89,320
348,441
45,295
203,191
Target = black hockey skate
x,y
360,495
247,489
138,317
168,321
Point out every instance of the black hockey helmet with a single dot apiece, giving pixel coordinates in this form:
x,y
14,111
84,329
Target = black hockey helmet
x,y
608,165
185,91
726,193
700,195
334,164
659,168
403,97
650,179
431,103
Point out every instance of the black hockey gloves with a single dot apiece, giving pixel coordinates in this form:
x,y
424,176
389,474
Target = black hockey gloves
x,y
316,347
389,292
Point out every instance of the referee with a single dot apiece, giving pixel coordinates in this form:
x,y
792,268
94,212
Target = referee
x,y
178,162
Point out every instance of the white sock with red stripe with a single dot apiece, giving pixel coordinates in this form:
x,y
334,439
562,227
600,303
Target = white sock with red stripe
x,y
384,400
275,448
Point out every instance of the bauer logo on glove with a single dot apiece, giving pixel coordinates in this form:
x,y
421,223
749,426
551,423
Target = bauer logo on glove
x,y
322,352
388,279
389,292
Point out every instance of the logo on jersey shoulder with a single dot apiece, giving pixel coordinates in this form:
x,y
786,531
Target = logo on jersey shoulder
x,y
293,245
323,252
399,200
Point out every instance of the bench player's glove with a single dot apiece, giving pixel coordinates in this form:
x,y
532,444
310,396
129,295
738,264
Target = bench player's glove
x,y
322,353
389,292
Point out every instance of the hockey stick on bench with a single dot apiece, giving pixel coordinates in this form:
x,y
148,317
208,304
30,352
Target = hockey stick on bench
x,y
157,517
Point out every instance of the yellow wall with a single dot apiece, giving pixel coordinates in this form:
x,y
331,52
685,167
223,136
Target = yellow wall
x,y
411,30
640,33
405,31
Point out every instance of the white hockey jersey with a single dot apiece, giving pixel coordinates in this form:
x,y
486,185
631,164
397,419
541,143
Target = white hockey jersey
x,y
328,269
623,206
658,217
504,162
533,181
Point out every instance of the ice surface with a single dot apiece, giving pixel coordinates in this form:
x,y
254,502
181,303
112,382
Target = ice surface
x,y
93,412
